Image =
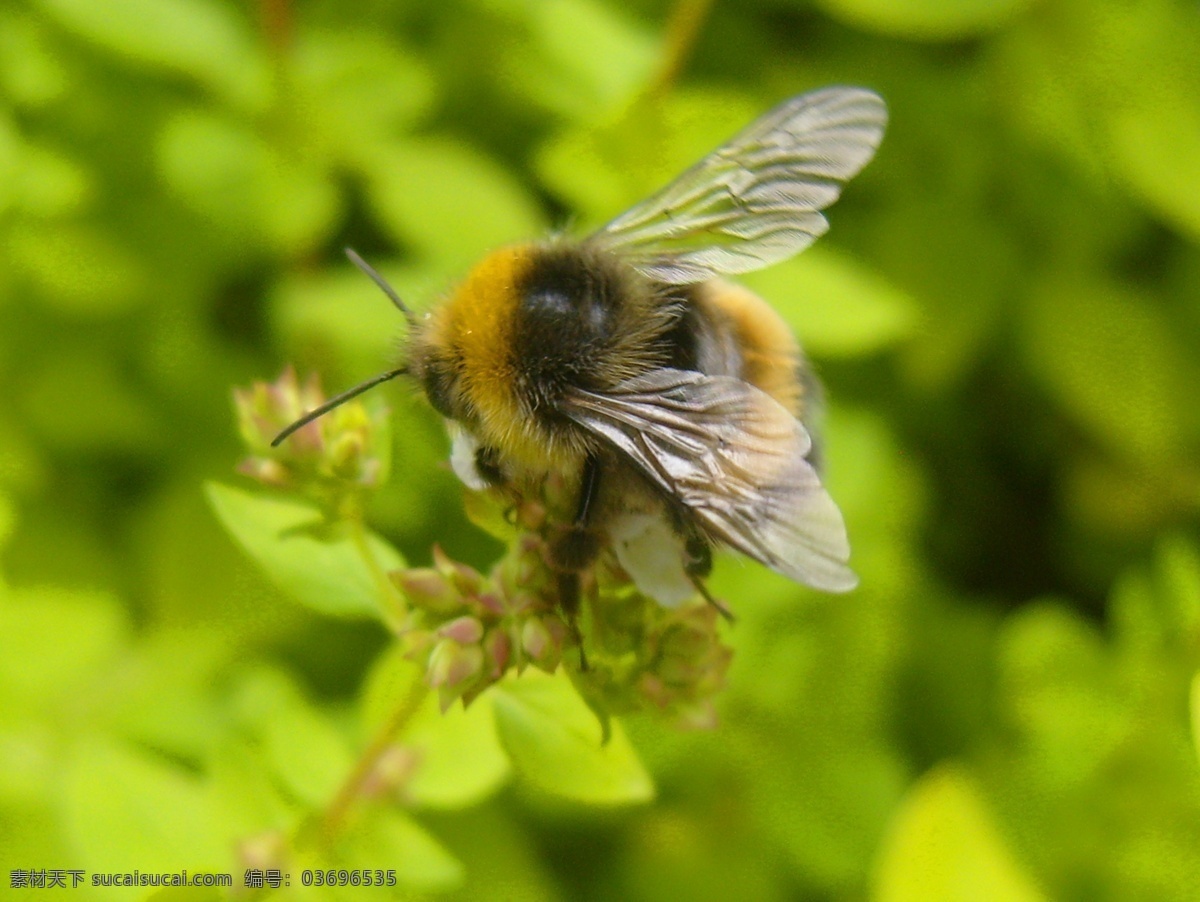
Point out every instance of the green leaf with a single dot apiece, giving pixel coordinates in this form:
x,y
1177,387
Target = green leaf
x,y
460,759
125,809
419,859
449,202
1196,712
49,184
943,845
837,306
242,792
249,189
200,38
53,640
570,76
342,315
319,567
555,743
304,750
78,268
1158,151
31,71
927,20
1057,691
357,89
1109,357
81,398
7,517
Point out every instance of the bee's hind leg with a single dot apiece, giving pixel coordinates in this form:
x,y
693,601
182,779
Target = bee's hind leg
x,y
697,567
575,548
568,602
577,545
712,600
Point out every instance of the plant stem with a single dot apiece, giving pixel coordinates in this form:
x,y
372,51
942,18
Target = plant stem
x,y
333,820
393,602
682,31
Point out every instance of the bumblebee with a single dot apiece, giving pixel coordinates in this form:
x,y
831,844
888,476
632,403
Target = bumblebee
x,y
676,404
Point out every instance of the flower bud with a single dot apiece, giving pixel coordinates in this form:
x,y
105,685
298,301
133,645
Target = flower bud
x,y
497,650
426,588
451,664
535,639
464,630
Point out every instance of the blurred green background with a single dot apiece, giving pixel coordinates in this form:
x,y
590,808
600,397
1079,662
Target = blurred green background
x,y
1006,313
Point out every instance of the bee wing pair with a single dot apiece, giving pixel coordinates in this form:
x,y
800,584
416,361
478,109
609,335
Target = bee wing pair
x,y
756,200
726,450
735,458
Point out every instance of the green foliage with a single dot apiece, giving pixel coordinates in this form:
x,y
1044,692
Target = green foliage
x,y
1006,317
321,566
557,744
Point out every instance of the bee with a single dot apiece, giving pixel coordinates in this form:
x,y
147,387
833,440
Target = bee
x,y
675,404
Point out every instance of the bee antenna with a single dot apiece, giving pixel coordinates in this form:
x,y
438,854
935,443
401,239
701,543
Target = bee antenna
x,y
383,285
337,401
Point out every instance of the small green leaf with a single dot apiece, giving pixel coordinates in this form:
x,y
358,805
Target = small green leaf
x,y
1158,151
325,572
462,760
242,792
449,202
574,77
555,743
943,845
357,88
600,169
1056,690
32,70
388,835
340,313
200,38
80,397
1196,712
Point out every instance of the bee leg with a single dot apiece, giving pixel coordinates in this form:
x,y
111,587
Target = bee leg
x,y
574,549
698,566
568,600
577,546
716,603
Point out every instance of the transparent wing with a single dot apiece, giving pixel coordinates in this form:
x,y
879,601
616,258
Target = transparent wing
x,y
756,200
734,457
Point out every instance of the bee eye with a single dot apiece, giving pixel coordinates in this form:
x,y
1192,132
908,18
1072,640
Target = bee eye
x,y
436,380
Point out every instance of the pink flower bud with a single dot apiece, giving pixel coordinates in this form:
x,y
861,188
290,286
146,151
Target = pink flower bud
x,y
464,630
427,588
451,664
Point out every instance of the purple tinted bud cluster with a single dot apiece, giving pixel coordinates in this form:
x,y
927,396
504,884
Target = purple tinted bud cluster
x,y
333,460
